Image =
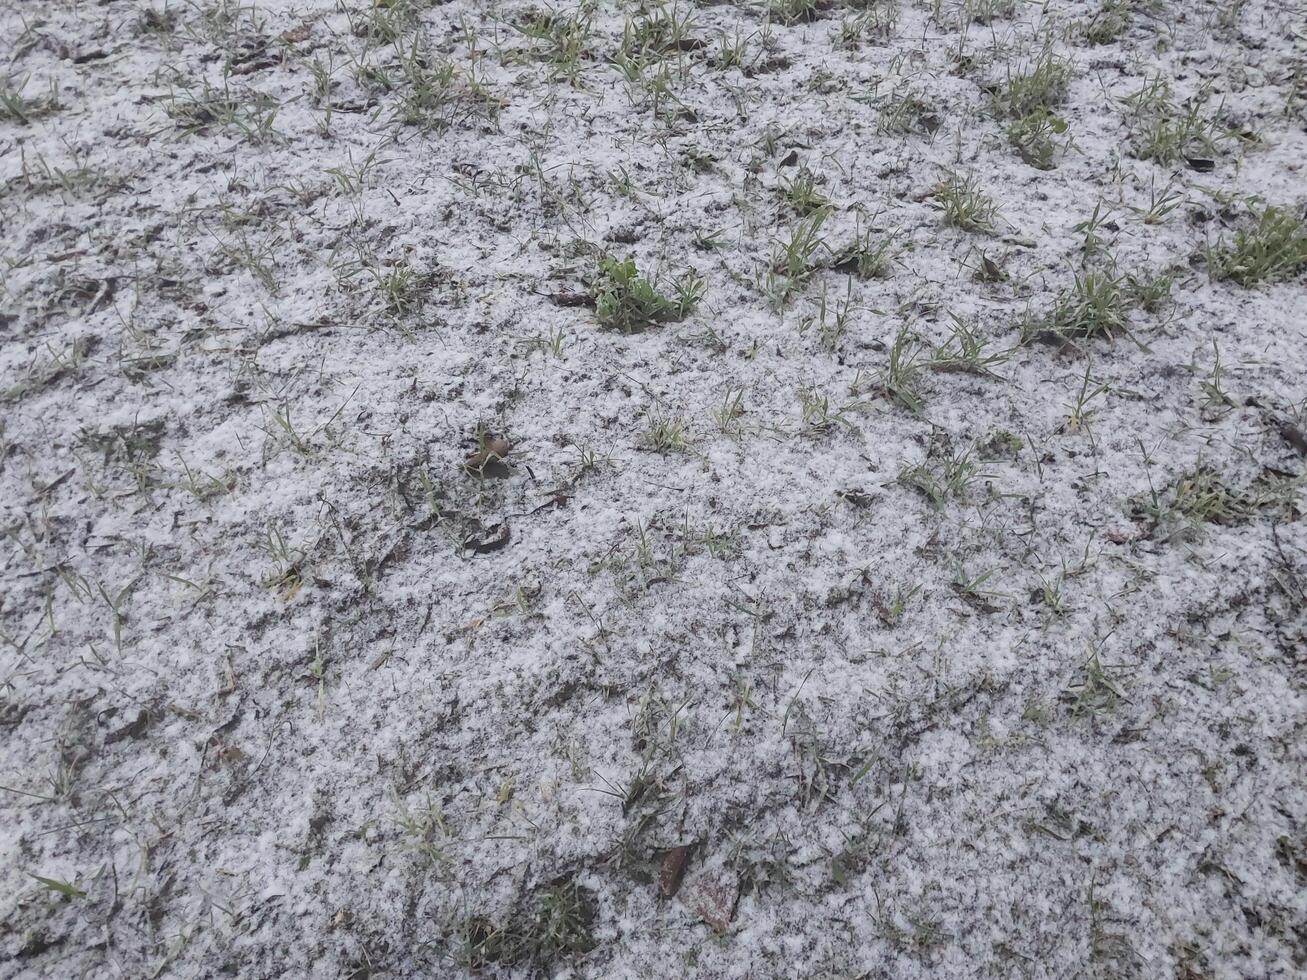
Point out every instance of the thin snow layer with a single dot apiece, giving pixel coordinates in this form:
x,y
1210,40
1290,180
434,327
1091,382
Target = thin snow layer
x,y
289,692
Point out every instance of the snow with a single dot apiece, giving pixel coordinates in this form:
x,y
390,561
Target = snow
x,y
369,733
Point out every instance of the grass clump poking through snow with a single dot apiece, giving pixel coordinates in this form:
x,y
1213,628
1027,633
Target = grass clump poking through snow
x,y
1108,23
793,260
1029,99
1273,249
965,205
626,301
1096,305
1165,132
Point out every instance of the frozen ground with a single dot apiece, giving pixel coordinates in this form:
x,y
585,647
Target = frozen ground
x,y
910,583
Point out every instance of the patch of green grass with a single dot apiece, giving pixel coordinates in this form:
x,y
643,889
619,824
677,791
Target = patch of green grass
x,y
556,927
803,193
793,259
875,24
1165,132
562,923
559,39
1039,138
870,255
432,92
1097,691
965,205
1107,24
1150,291
1029,99
1040,88
792,11
1096,305
903,113
966,351
662,33
196,108
831,320
20,108
940,481
626,301
665,434
1272,250
900,379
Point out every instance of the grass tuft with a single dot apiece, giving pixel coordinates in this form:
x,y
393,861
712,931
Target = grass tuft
x,y
626,301
1272,250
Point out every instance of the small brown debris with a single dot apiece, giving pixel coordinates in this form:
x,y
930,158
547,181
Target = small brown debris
x,y
570,299
491,539
990,271
133,729
1294,436
493,449
675,862
714,898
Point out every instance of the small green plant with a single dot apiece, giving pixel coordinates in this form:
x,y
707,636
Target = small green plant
x,y
900,377
730,411
793,11
966,351
965,205
433,93
16,107
1040,88
819,413
831,320
1039,138
1160,204
1215,397
943,480
903,113
1096,305
1164,132
665,434
733,50
626,301
562,923
792,260
1107,24
875,24
1029,99
803,193
559,40
870,255
1273,249
196,108
1096,692
1150,291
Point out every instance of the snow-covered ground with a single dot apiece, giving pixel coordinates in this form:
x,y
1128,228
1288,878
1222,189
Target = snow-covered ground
x,y
899,572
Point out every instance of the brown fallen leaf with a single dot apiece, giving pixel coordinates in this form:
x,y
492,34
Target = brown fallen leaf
x,y
133,729
1294,436
714,898
491,539
674,865
493,449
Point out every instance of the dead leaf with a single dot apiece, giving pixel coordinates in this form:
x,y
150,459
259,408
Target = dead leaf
x,y
714,898
134,729
491,539
493,449
1294,436
674,864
